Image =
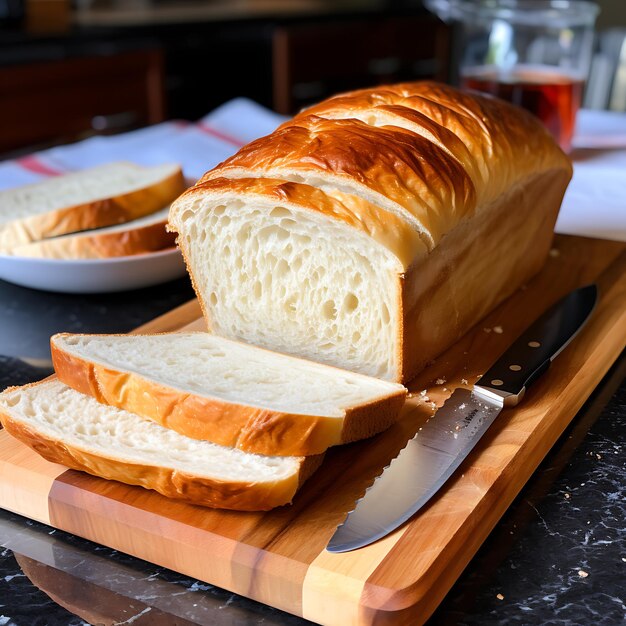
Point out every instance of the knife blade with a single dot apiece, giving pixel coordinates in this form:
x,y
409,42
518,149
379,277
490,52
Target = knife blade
x,y
440,446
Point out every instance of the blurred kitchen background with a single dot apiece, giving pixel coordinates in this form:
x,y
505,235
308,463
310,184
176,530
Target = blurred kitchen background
x,y
74,68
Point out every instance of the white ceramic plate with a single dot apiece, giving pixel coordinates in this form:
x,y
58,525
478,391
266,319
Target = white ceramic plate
x,y
93,275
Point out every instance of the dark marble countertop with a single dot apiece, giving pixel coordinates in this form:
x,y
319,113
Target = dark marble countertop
x,y
558,556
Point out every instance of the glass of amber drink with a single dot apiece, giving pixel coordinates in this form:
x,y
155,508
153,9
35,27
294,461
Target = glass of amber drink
x,y
533,53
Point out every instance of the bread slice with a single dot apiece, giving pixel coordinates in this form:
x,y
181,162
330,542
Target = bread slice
x,y
70,428
92,198
234,394
145,234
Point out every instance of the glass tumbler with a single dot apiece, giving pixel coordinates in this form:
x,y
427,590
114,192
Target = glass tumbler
x,y
533,53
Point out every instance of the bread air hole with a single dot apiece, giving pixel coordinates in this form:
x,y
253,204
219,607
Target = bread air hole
x,y
244,234
329,310
356,280
12,401
281,211
269,232
281,268
290,304
213,298
350,303
386,316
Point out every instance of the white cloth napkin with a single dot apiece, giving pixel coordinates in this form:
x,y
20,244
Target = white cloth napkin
x,y
196,146
595,201
594,205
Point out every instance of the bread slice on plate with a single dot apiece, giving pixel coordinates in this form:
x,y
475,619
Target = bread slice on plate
x,y
92,198
72,429
146,234
234,394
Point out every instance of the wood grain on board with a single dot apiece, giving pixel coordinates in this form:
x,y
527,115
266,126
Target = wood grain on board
x,y
278,557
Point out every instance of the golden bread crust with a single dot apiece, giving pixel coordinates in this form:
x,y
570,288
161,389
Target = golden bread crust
x,y
204,491
248,428
421,179
94,245
498,143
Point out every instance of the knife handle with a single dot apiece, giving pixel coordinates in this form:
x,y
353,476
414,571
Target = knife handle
x,y
532,352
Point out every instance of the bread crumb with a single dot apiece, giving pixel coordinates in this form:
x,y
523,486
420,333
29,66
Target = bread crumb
x,y
554,253
566,495
464,381
462,406
487,330
623,558
500,596
440,381
498,330
582,573
433,405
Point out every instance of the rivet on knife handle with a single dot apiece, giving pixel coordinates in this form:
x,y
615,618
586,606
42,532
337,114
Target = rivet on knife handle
x,y
533,351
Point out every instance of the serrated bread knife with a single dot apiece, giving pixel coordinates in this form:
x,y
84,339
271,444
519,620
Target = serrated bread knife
x,y
440,446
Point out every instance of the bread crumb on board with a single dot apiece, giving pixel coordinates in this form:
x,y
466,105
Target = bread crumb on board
x,y
500,596
582,573
440,381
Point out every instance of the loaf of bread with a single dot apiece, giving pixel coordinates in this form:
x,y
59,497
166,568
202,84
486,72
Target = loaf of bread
x,y
70,428
145,234
373,230
92,198
207,387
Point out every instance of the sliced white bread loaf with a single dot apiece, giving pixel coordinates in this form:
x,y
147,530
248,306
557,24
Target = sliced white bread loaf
x,y
92,198
234,394
372,231
145,234
70,428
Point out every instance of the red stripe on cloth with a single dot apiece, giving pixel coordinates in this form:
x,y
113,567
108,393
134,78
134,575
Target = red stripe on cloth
x,y
220,135
33,164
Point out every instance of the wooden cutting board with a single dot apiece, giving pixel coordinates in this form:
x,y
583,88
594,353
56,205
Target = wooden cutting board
x,y
278,557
